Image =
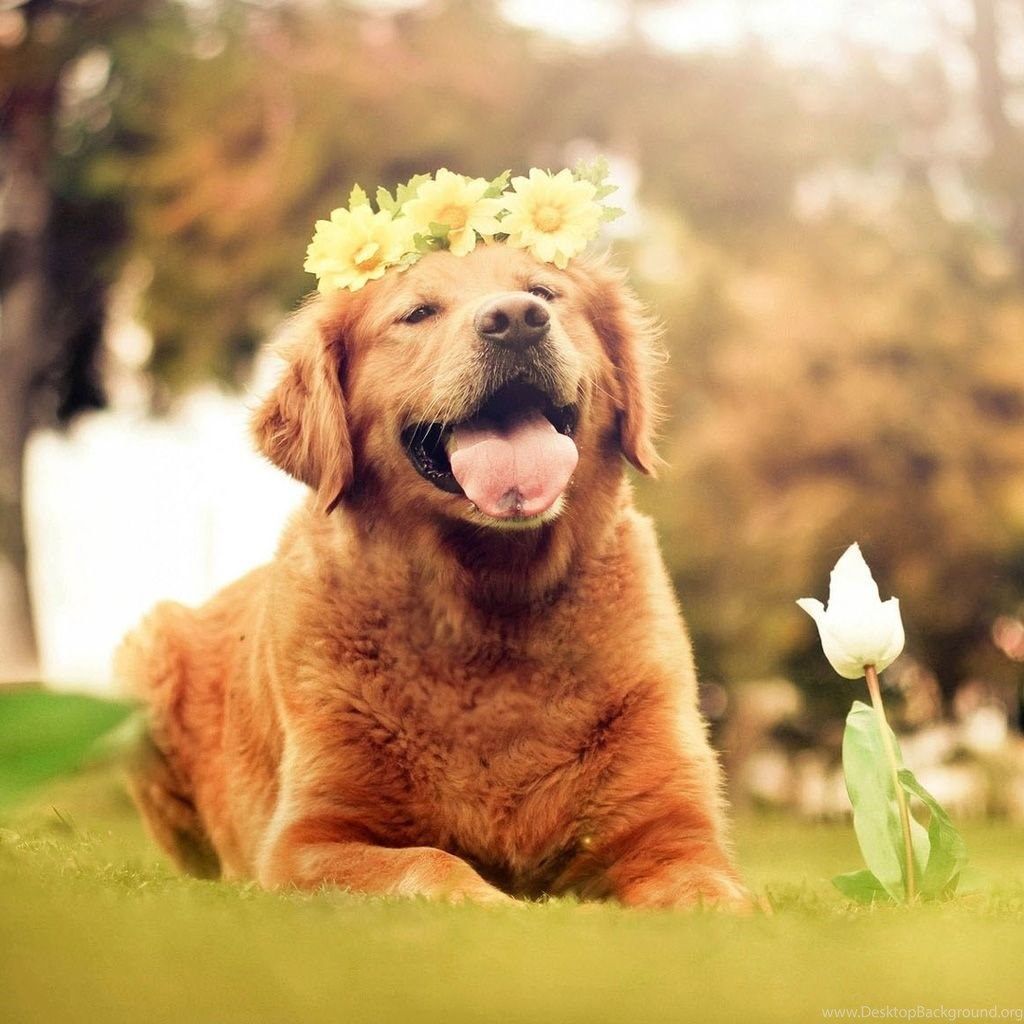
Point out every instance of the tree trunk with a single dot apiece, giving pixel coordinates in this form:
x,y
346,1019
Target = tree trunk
x,y
1006,141
24,350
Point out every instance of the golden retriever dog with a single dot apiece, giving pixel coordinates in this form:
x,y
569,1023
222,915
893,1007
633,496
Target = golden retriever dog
x,y
464,675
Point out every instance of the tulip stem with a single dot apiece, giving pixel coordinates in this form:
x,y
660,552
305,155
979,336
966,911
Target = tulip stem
x,y
890,752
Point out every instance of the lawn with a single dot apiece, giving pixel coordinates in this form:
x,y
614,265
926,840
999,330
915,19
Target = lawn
x,y
94,927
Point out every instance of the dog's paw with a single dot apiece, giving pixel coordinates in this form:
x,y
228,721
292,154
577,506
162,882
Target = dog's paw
x,y
689,886
438,875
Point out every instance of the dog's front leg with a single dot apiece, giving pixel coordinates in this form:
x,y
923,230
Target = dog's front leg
x,y
675,859
311,851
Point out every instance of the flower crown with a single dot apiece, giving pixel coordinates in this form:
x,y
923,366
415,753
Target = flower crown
x,y
553,216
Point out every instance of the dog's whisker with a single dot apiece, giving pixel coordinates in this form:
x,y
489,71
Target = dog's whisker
x,y
597,387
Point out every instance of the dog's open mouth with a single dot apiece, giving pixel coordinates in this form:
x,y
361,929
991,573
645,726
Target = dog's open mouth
x,y
513,458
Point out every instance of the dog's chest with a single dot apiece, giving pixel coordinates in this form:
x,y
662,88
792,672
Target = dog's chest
x,y
502,766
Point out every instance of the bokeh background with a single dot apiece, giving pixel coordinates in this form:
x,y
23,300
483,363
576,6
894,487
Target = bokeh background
x,y
825,206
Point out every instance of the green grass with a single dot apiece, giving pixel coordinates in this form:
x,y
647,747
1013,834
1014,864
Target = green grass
x,y
94,927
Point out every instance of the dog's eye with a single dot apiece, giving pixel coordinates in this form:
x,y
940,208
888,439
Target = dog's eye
x,y
542,292
420,313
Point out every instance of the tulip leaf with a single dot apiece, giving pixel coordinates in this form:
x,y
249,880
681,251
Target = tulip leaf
x,y
948,851
43,735
861,886
876,817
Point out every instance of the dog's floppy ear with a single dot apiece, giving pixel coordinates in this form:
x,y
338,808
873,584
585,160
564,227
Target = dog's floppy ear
x,y
630,339
301,426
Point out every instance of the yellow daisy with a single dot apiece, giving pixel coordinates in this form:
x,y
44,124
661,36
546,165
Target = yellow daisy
x,y
554,216
355,246
458,203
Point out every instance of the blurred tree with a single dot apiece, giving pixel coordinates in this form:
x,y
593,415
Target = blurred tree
x,y
866,383
838,266
270,116
1003,166
53,241
228,161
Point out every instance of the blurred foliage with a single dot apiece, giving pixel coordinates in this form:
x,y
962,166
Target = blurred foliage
x,y
837,252
44,735
864,383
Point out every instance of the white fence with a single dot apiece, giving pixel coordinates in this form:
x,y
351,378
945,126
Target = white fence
x,y
124,511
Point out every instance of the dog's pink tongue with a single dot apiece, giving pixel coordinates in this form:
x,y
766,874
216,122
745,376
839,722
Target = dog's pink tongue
x,y
514,470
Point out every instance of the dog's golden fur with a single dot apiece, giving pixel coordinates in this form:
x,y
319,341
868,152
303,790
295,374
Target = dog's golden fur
x,y
408,700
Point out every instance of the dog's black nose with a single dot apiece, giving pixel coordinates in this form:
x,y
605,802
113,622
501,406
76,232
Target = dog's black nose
x,y
514,321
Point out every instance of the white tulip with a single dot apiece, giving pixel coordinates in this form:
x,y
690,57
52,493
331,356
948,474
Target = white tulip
x,y
857,628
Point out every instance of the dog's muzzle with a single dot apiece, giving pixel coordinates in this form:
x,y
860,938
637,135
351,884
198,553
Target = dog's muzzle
x,y
513,322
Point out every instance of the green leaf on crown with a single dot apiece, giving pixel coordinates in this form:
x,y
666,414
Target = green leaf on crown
x,y
357,197
595,171
386,201
497,185
403,193
428,243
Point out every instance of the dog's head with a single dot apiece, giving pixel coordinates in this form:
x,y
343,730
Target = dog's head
x,y
490,391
